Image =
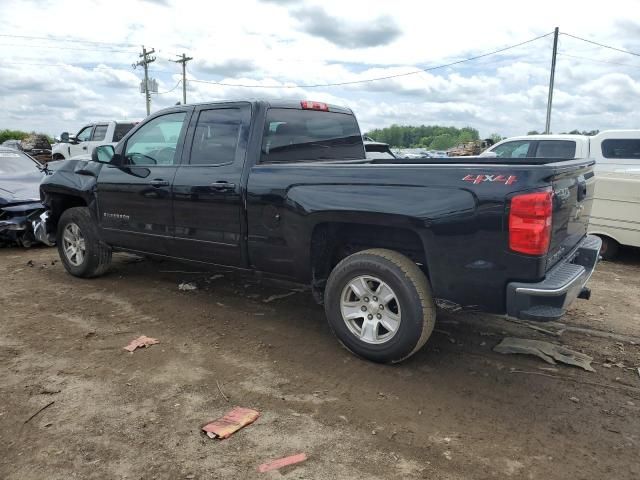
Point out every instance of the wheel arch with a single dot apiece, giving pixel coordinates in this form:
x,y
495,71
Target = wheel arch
x,y
332,241
58,203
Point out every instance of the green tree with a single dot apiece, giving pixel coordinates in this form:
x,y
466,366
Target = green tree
x,y
425,136
496,137
443,142
7,134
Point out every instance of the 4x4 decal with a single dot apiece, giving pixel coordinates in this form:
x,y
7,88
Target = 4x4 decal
x,y
476,179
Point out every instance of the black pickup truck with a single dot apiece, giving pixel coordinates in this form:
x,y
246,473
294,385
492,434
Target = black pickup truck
x,y
284,188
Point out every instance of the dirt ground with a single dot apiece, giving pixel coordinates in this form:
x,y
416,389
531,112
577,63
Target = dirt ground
x,y
456,410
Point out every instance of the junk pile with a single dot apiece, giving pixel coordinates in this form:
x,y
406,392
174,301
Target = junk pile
x,y
38,147
469,149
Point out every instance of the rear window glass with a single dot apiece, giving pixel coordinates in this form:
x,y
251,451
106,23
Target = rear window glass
x,y
12,163
564,149
621,148
293,135
121,130
515,149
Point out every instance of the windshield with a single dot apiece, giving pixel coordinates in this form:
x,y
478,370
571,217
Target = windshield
x,y
13,163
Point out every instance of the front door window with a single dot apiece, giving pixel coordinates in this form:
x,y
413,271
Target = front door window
x,y
85,134
155,143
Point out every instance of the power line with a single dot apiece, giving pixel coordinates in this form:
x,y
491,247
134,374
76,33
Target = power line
x,y
95,49
61,65
428,69
69,40
83,67
602,44
598,61
169,91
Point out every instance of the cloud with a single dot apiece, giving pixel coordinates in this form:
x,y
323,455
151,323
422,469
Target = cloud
x,y
282,2
55,85
317,22
231,67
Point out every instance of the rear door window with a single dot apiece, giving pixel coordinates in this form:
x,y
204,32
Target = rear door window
x,y
564,149
99,133
216,137
627,148
293,135
515,149
121,130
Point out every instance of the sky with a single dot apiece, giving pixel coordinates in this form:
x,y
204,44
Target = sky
x,y
79,68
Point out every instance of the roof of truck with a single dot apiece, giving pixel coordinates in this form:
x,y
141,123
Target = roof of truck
x,y
558,136
277,103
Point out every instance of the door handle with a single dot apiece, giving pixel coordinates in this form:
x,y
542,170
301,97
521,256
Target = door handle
x,y
84,148
223,185
158,182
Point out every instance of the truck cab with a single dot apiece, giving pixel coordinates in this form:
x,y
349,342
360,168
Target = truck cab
x,y
562,146
89,137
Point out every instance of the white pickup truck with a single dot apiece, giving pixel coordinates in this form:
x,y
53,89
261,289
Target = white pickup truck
x,y
615,215
88,138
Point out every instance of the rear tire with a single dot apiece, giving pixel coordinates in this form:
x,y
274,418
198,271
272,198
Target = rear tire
x,y
609,249
355,291
82,252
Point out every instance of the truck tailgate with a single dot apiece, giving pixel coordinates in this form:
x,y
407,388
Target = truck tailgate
x,y
573,189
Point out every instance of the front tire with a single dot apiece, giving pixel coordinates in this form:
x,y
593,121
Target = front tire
x,y
379,305
82,252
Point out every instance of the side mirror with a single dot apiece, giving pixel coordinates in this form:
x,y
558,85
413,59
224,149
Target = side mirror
x,y
489,154
64,137
103,154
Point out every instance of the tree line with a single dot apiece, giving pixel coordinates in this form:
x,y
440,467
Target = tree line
x,y
436,137
432,137
7,134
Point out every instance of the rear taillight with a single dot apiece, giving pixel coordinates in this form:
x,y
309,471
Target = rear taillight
x,y
311,105
530,223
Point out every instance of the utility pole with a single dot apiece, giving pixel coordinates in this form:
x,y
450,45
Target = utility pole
x,y
183,60
547,127
146,60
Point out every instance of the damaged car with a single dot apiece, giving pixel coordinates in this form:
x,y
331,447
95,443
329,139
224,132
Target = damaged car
x,y
22,216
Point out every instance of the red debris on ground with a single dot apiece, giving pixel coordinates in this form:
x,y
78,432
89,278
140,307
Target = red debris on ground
x,y
233,421
140,342
282,462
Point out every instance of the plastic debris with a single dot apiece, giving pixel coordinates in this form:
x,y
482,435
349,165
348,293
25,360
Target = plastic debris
x,y
278,297
187,286
548,352
142,341
282,462
39,410
233,421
